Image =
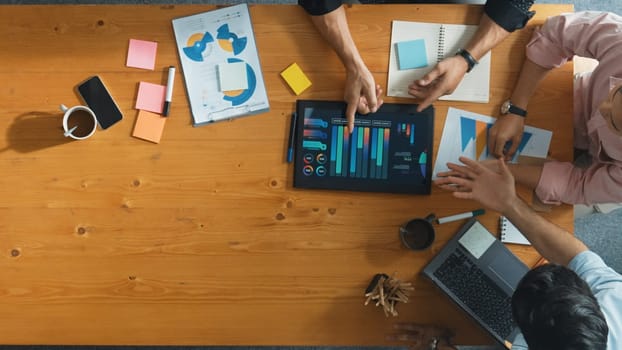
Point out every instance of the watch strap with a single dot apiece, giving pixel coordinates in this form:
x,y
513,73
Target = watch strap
x,y
517,110
471,61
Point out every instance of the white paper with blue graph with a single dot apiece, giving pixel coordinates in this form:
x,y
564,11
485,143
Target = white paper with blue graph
x,y
466,134
212,47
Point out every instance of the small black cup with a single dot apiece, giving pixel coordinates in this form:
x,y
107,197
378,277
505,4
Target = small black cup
x,y
418,234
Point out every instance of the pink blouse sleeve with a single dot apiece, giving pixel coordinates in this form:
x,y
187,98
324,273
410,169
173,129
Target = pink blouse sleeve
x,y
583,33
563,182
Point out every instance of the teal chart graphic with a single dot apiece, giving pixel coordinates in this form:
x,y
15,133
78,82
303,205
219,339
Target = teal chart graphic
x,y
197,46
229,41
197,43
198,49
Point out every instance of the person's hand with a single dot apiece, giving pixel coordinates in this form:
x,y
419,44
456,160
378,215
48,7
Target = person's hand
x,y
361,94
442,80
473,180
508,128
422,337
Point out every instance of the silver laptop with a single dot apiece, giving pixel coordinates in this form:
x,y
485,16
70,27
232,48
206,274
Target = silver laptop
x,y
480,274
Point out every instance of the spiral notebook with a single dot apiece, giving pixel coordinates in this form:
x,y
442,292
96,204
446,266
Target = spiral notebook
x,y
511,234
416,47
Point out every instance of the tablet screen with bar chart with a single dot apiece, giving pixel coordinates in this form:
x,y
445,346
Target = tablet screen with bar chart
x,y
387,151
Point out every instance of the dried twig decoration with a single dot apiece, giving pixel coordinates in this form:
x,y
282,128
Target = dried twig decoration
x,y
387,292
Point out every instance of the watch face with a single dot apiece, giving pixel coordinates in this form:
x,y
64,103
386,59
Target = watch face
x,y
505,107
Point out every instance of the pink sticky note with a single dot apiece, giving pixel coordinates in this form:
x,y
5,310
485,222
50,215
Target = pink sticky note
x,y
142,54
150,97
149,126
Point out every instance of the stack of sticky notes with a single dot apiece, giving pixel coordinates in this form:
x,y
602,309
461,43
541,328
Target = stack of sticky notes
x,y
296,78
150,102
150,99
411,54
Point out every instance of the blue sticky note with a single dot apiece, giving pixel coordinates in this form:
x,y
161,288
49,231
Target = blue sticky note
x,y
411,54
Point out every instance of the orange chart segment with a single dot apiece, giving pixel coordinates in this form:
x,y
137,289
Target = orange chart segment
x,y
481,138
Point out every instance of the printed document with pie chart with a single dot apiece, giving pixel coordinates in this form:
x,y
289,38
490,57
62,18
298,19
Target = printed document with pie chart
x,y
214,39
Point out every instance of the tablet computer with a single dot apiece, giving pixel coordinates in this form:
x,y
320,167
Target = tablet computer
x,y
387,151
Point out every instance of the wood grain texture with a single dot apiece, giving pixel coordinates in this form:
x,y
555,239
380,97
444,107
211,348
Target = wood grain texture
x,y
202,239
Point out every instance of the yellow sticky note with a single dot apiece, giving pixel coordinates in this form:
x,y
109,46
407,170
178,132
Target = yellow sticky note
x,y
149,126
296,78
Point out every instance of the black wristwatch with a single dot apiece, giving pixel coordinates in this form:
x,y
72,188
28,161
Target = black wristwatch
x,y
471,61
507,107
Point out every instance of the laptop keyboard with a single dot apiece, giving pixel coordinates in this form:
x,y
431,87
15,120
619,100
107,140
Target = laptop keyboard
x,y
478,292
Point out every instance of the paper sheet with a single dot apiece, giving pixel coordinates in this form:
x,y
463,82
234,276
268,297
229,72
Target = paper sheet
x,y
232,76
150,97
142,54
466,134
477,240
149,126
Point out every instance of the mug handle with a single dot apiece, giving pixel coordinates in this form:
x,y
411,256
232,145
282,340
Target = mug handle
x,y
65,109
68,132
430,218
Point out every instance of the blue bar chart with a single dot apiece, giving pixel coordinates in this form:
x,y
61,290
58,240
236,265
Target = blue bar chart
x,y
362,154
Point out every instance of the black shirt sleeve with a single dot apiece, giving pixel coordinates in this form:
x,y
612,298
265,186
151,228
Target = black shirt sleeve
x,y
509,14
319,7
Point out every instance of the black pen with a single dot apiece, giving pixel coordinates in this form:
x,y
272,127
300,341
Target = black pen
x,y
292,134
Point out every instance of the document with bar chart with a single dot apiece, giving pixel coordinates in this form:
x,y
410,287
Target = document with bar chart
x,y
387,151
466,134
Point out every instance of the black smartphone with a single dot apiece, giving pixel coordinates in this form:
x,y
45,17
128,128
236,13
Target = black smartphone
x,y
97,97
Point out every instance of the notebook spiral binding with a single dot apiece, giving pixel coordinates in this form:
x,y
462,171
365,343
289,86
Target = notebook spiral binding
x,y
440,52
503,227
511,234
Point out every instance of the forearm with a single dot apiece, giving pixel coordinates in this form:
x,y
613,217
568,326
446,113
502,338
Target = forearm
x,y
487,36
530,77
526,175
551,241
333,27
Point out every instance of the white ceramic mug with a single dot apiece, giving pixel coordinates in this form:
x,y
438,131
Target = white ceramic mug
x,y
79,122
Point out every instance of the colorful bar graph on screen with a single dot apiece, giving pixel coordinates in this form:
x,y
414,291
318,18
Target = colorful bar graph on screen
x,y
374,153
407,130
423,160
362,154
385,163
355,134
333,151
365,152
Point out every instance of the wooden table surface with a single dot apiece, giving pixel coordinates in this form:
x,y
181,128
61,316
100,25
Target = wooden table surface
x,y
201,239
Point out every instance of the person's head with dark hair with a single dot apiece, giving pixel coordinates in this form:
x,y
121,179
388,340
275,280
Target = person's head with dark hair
x,y
556,310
